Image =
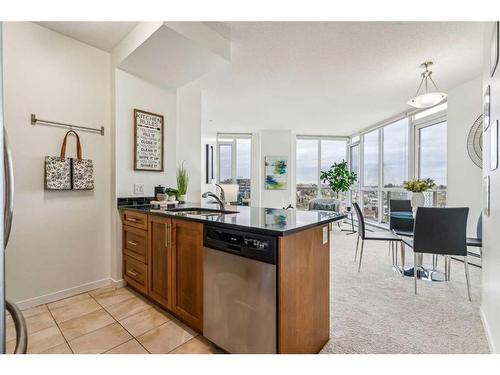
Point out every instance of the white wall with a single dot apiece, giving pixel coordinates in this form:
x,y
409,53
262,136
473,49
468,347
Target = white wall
x,y
133,92
490,307
464,177
189,137
59,240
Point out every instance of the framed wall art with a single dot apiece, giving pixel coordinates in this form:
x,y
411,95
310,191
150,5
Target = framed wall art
x,y
494,49
494,146
486,109
148,141
486,195
209,158
276,169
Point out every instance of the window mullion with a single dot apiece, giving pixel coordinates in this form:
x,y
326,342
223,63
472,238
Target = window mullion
x,y
318,191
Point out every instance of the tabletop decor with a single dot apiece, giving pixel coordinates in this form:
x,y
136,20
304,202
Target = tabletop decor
x,y
276,169
339,177
417,187
182,182
148,141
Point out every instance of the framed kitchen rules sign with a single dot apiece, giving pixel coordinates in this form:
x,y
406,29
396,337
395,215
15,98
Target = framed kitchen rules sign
x,y
148,141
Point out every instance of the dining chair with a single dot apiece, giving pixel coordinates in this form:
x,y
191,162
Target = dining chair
x,y
478,240
371,236
401,227
439,231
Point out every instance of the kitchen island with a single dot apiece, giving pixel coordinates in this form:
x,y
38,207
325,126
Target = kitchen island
x,y
172,257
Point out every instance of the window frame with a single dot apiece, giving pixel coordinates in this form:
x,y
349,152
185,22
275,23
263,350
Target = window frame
x,y
318,139
234,137
413,156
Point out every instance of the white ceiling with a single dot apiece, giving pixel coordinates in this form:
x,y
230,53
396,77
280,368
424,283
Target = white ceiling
x,y
102,35
169,59
333,77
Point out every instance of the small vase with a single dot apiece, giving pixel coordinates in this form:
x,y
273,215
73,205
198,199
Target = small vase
x,y
182,198
417,200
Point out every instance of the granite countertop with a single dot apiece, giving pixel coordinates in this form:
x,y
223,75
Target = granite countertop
x,y
252,219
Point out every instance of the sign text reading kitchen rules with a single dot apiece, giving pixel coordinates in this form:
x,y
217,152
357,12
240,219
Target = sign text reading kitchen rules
x,y
148,141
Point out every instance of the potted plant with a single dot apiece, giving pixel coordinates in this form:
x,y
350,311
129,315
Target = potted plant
x,y
417,187
173,194
182,182
339,177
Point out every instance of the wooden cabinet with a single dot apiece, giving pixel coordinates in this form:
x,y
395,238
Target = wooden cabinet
x,y
187,275
135,219
136,274
163,258
160,265
135,243
304,291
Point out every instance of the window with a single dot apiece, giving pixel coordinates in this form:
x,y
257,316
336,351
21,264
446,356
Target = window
x,y
395,154
386,158
354,167
432,161
312,156
235,166
370,159
307,171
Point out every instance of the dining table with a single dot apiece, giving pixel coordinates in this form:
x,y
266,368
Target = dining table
x,y
423,273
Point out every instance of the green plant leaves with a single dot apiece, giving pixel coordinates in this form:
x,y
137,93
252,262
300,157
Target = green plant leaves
x,y
417,185
338,177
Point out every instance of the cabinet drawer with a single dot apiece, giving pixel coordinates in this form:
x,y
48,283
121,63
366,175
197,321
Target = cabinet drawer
x,y
135,219
136,274
135,243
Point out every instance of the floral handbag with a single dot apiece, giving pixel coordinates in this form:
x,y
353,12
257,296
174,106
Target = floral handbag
x,y
63,173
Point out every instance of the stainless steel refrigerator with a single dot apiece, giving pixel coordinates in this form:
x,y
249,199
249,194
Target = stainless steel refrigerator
x,y
7,197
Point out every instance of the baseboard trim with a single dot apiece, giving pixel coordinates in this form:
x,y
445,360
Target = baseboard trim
x,y
118,283
51,297
487,330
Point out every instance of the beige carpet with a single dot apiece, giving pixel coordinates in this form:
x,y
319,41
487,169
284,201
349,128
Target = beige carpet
x,y
376,311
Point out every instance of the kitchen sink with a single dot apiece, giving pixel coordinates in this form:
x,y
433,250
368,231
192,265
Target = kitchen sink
x,y
201,211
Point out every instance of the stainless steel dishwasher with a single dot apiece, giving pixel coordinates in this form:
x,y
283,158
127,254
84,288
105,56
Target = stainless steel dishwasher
x,y
239,311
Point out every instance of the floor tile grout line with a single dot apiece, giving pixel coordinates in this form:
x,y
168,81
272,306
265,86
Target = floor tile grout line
x,y
60,331
117,321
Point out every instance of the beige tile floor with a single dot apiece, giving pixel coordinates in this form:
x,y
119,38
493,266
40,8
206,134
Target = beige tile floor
x,y
107,320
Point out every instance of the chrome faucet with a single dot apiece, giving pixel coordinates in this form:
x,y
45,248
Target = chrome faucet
x,y
210,194
222,193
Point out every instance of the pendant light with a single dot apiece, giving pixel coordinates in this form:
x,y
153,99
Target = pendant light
x,y
429,97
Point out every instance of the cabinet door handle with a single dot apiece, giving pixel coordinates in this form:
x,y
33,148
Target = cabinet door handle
x,y
132,243
131,219
132,273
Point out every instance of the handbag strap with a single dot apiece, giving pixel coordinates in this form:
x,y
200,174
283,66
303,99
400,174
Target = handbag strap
x,y
78,145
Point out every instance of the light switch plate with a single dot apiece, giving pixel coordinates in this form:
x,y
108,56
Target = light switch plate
x,y
325,234
138,188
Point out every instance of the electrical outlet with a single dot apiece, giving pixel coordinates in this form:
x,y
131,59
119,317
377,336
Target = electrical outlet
x,y
138,188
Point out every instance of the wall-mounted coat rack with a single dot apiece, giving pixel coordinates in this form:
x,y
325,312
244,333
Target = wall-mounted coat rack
x,y
35,121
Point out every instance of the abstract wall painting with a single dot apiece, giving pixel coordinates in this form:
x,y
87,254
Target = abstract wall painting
x,y
276,172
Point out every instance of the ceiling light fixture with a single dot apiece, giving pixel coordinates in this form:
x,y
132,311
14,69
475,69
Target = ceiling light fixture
x,y
427,98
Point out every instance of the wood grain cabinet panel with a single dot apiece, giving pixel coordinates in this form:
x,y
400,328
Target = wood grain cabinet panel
x,y
187,275
160,260
136,274
135,219
135,243
303,290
